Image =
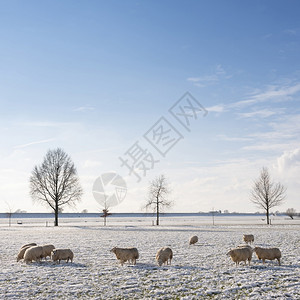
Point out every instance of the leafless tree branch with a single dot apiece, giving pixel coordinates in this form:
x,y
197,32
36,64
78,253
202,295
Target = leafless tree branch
x,y
266,194
55,182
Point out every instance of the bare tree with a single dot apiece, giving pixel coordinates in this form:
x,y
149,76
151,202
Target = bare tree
x,y
55,182
267,194
157,195
105,214
9,214
291,212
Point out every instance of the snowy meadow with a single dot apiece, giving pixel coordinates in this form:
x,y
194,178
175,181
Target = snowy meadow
x,y
199,271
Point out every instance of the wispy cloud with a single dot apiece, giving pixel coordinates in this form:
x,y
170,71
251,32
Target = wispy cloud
x,y
263,113
216,108
92,164
84,108
233,139
46,124
273,93
33,143
205,80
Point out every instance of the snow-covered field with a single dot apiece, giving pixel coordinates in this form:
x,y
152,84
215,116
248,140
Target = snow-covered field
x,y
199,271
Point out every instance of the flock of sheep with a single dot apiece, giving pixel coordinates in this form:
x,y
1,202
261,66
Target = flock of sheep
x,y
32,252
244,252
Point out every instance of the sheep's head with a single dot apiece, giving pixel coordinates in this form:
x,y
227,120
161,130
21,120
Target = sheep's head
x,y
113,250
53,254
160,262
229,252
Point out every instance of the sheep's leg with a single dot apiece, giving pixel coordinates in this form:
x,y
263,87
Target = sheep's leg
x,y
278,261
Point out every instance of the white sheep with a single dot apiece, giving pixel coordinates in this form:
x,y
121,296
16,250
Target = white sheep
x,y
268,253
163,255
31,244
33,253
126,254
193,240
245,246
47,249
248,238
62,254
22,252
240,254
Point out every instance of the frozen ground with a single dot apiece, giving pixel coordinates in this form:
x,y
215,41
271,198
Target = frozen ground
x,y
197,272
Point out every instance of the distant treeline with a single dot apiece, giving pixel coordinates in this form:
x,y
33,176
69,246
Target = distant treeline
x,y
130,215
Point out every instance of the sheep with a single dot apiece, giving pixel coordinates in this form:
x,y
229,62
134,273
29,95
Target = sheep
x,y
47,249
124,254
248,238
22,252
33,253
240,254
31,244
62,254
268,253
245,246
193,240
163,255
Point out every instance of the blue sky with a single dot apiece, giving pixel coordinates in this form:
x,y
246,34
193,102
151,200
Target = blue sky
x,y
92,77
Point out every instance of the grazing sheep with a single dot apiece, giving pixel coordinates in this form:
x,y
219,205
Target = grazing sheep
x,y
163,255
22,252
47,249
245,246
248,238
124,254
268,253
62,254
33,253
240,254
193,240
31,244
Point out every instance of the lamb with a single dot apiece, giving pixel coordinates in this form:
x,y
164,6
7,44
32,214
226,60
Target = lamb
x,y
193,240
47,249
240,254
163,255
124,254
31,244
22,252
248,238
33,253
62,254
268,253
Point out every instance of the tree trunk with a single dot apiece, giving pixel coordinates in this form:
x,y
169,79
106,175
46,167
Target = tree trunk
x,y
56,214
157,213
267,214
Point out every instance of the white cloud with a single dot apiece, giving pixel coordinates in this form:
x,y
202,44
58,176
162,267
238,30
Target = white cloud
x,y
205,80
273,93
34,143
263,113
224,137
216,108
288,160
84,108
92,164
